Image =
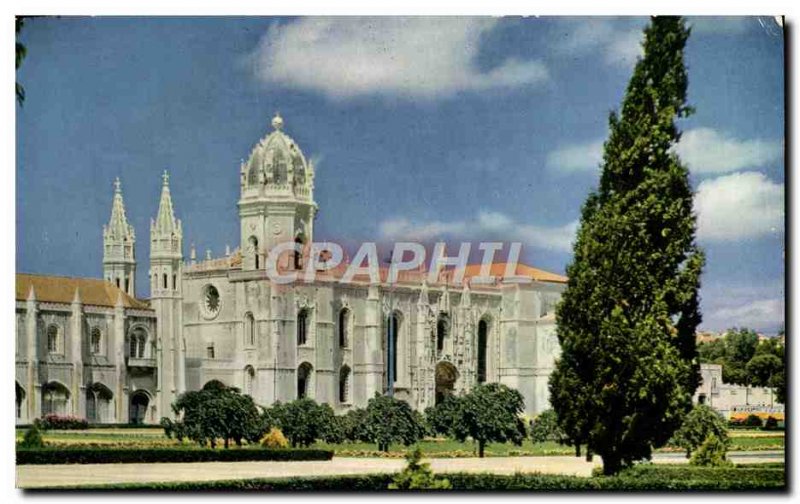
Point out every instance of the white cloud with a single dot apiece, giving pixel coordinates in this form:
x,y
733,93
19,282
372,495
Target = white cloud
x,y
740,205
574,158
720,25
708,151
485,226
413,57
761,315
618,41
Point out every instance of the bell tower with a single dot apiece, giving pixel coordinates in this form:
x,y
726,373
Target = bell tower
x,y
119,251
166,261
277,199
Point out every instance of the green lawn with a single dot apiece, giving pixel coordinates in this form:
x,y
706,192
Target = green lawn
x,y
154,437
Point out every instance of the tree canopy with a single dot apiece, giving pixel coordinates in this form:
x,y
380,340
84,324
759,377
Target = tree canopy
x,y
390,420
626,323
490,413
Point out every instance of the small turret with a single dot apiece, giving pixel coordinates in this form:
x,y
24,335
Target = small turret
x,y
119,246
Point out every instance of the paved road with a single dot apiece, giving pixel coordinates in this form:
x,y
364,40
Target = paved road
x,y
33,476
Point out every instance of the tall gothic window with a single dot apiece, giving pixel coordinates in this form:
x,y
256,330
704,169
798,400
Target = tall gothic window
x,y
249,379
441,334
52,339
250,329
303,379
344,323
344,384
95,339
483,334
392,337
298,253
302,327
138,342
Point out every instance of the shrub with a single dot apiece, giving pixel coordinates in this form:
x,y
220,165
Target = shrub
x,y
710,453
416,476
152,455
33,437
442,417
545,428
355,426
63,422
771,423
753,421
302,421
275,439
700,423
390,420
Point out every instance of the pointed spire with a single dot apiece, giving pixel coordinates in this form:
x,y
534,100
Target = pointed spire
x,y
423,294
466,297
165,223
31,294
76,300
118,227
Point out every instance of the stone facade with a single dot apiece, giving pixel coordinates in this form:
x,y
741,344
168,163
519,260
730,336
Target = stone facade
x,y
730,399
337,342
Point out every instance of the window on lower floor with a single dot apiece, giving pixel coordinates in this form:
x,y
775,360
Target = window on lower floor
x,y
210,352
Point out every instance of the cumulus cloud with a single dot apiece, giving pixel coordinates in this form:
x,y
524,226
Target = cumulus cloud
x,y
418,57
706,150
485,226
761,315
737,206
618,41
581,157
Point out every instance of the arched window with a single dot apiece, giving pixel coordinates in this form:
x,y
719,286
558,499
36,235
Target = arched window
x,y
441,333
303,379
279,172
52,339
249,379
344,384
20,398
165,280
137,343
249,329
174,282
302,327
98,403
95,340
483,335
298,253
392,337
127,284
137,412
117,282
252,249
344,327
55,399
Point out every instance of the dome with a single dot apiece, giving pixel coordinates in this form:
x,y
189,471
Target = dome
x,y
277,162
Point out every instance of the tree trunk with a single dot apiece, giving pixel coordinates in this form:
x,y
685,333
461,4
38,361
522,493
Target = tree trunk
x,y
225,443
589,455
481,446
611,464
577,449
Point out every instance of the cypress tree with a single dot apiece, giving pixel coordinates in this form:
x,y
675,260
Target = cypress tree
x,y
627,320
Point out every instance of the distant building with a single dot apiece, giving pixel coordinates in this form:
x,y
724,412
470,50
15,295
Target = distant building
x,y
730,399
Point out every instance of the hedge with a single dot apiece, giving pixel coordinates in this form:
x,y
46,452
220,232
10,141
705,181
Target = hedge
x,y
153,455
646,479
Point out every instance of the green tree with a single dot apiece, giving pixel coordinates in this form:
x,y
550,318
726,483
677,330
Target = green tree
x,y
711,351
33,437
700,423
442,417
390,420
627,320
355,425
303,421
710,453
545,428
762,368
490,413
740,345
779,382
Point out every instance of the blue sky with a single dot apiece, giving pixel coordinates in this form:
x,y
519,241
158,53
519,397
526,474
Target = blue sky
x,y
428,128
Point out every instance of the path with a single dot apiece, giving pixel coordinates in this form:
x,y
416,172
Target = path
x,y
33,476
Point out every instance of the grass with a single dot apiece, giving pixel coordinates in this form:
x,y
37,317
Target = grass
x,y
154,437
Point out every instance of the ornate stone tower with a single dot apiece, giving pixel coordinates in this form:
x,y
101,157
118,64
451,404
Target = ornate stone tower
x,y
166,259
119,260
277,199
